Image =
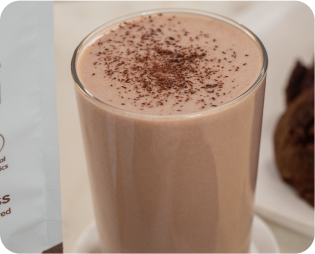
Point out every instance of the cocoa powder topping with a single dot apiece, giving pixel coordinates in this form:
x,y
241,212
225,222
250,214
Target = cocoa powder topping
x,y
153,65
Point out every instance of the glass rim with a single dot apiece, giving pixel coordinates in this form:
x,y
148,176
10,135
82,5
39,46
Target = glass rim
x,y
121,19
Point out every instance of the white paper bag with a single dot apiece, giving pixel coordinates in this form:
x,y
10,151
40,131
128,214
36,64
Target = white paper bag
x,y
30,207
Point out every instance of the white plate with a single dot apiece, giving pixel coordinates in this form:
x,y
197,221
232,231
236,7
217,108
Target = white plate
x,y
263,240
280,203
288,35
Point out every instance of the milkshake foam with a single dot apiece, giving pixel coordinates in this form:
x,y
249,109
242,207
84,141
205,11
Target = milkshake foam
x,y
169,64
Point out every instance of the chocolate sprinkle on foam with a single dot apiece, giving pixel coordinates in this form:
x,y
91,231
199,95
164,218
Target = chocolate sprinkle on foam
x,y
161,65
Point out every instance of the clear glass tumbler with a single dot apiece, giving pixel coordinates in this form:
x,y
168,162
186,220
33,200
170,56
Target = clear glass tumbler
x,y
181,183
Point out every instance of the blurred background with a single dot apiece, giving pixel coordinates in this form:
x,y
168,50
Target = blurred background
x,y
287,31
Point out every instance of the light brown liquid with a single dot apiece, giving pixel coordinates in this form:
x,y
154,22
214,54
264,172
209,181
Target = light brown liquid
x,y
172,183
128,68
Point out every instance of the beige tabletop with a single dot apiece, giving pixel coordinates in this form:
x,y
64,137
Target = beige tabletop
x,y
73,21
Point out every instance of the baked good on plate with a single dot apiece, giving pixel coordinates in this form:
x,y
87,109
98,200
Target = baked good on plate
x,y
294,135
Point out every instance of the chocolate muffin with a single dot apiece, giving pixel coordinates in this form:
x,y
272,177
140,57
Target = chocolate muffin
x,y
301,79
294,136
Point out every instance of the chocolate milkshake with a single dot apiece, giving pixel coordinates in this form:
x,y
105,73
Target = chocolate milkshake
x,y
171,107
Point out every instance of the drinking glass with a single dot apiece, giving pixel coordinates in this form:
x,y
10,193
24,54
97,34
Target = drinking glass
x,y
179,183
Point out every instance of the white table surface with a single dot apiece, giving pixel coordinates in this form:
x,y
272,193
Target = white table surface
x,y
73,21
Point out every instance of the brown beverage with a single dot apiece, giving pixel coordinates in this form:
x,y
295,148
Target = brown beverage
x,y
171,108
